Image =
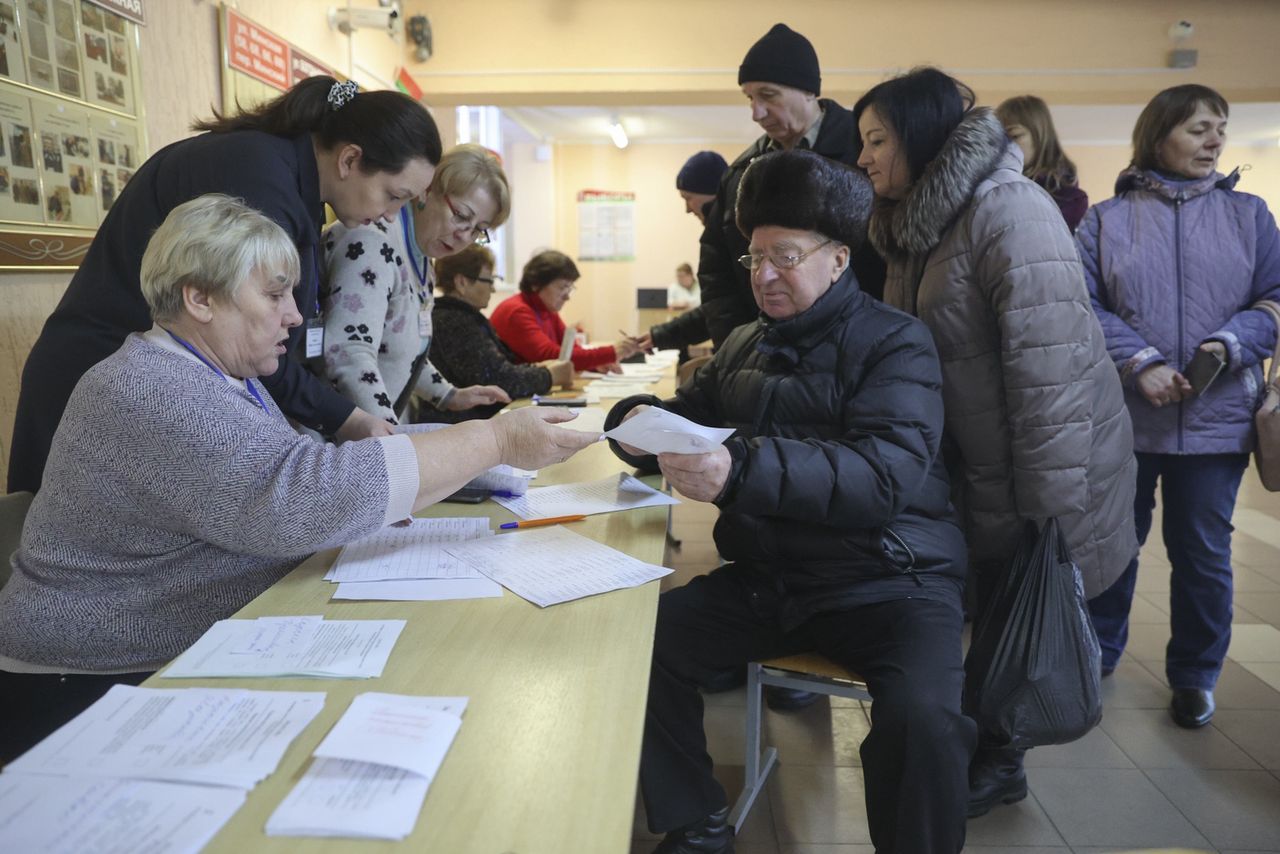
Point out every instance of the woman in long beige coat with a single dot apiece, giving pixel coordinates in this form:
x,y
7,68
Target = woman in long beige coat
x,y
1036,426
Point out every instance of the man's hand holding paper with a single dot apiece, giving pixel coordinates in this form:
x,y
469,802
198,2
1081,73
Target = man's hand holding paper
x,y
652,430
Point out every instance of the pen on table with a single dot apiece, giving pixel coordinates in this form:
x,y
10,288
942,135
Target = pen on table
x,y
502,493
537,523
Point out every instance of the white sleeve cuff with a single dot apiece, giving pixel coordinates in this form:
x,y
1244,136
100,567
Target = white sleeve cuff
x,y
402,476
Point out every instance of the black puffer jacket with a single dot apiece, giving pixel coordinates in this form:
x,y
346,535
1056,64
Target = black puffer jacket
x,y
837,495
727,300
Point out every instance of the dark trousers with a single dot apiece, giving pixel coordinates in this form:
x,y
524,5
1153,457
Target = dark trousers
x,y
916,756
1198,494
36,704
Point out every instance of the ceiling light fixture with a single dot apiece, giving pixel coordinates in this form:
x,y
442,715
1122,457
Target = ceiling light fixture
x,y
618,133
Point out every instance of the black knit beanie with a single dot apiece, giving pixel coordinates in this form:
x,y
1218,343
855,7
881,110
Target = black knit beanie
x,y
701,173
782,56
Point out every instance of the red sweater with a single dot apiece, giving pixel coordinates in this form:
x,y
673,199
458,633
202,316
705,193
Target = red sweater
x,y
534,333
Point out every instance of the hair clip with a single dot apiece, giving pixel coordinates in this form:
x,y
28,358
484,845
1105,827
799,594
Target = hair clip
x,y
341,93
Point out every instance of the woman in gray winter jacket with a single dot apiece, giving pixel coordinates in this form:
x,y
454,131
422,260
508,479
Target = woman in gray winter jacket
x,y
1035,421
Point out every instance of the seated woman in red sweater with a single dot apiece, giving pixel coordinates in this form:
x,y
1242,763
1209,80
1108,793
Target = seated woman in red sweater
x,y
529,322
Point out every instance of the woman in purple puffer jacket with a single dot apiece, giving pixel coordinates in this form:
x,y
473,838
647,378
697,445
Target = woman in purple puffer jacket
x,y
1174,263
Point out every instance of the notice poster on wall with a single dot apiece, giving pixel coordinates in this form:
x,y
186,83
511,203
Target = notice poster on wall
x,y
606,225
19,179
52,48
116,154
12,65
66,164
110,62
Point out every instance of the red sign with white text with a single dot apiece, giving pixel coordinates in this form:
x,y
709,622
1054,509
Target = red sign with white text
x,y
257,52
305,66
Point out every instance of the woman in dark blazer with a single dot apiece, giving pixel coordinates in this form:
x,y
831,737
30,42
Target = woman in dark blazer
x,y
362,153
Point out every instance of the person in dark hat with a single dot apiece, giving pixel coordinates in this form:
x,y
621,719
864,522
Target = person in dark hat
x,y
835,520
782,82
697,182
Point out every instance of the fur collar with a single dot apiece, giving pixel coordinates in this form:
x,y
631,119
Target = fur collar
x,y
917,223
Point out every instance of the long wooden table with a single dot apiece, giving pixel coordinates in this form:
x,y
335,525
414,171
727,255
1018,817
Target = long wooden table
x,y
546,760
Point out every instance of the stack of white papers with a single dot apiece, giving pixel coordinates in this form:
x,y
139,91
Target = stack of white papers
x,y
290,646
552,565
74,816
409,563
371,773
504,478
658,431
615,492
216,736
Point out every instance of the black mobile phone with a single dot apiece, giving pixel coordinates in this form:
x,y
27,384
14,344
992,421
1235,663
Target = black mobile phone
x,y
561,401
1203,369
468,495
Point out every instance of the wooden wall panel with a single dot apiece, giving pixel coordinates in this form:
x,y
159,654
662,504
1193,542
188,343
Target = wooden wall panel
x,y
26,299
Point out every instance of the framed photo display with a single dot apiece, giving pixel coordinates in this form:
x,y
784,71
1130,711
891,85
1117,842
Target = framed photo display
x,y
71,132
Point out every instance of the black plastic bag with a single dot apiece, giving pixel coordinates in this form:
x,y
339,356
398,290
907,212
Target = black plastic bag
x,y
1033,672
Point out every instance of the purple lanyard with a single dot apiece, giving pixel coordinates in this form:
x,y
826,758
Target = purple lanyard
x,y
247,383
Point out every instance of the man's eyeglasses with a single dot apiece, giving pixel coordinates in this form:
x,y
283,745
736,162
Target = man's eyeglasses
x,y
781,262
480,235
488,280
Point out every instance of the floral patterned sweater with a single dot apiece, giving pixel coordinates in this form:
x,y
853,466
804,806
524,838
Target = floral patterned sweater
x,y
377,301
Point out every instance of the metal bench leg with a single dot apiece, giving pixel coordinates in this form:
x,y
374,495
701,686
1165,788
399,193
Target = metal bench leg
x,y
757,766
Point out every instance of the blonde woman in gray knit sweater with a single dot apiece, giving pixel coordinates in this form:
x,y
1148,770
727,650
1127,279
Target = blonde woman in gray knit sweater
x,y
175,490
377,291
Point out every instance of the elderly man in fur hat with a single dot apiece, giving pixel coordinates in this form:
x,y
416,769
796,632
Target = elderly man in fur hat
x,y
834,516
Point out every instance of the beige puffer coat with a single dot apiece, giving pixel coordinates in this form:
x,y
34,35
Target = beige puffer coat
x,y
1035,416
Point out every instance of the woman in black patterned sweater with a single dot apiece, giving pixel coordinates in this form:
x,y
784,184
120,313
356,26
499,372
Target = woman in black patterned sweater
x,y
465,348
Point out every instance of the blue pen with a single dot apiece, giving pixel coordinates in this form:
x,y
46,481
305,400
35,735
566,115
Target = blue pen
x,y
502,493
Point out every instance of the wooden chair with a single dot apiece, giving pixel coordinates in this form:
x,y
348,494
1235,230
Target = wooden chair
x,y
13,512
808,672
688,368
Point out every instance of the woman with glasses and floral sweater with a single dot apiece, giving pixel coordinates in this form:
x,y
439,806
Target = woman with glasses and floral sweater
x,y
377,294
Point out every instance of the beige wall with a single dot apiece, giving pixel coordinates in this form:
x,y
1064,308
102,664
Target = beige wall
x,y
665,236
676,51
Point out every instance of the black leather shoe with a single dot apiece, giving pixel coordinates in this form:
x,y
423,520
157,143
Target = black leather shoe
x,y
788,699
1191,708
996,777
712,835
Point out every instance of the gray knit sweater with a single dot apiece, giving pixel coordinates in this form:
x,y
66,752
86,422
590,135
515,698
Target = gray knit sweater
x,y
171,499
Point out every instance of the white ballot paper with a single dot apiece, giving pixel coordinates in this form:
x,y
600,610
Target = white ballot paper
x,y
372,771
97,816
658,431
217,736
590,420
419,589
566,343
615,492
552,565
290,646
412,551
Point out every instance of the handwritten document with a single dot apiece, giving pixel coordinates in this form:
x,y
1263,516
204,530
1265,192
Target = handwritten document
x,y
552,565
371,773
658,431
413,551
290,646
77,816
216,736
615,492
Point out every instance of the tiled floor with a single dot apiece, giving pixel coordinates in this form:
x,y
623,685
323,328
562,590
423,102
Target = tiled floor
x,y
1136,782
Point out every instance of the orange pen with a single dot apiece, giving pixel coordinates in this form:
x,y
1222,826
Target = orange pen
x,y
538,523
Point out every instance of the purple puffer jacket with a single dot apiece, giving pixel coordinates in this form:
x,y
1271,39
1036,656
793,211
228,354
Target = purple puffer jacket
x,y
1170,265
